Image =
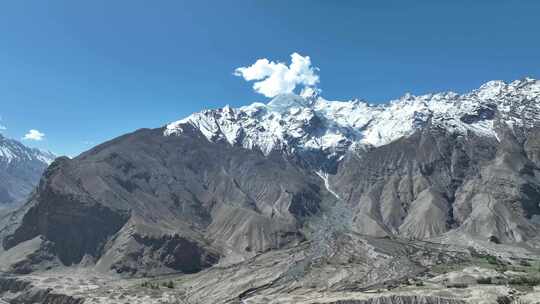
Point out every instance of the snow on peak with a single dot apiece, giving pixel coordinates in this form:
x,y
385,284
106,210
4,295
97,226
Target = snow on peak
x,y
14,151
491,89
312,123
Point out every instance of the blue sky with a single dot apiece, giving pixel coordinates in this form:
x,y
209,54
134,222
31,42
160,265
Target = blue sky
x,y
82,72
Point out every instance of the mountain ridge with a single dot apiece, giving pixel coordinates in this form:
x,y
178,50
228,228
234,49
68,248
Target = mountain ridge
x,y
311,123
20,169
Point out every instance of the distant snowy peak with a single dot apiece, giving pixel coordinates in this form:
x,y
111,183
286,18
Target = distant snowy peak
x,y
20,170
312,123
13,151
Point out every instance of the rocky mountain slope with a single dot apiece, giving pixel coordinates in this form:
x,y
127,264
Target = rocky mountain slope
x,y
344,190
417,167
20,170
151,203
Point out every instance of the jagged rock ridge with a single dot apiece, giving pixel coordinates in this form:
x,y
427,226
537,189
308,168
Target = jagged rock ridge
x,y
311,125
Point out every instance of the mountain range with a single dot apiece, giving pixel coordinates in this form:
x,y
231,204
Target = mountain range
x,y
296,195
20,170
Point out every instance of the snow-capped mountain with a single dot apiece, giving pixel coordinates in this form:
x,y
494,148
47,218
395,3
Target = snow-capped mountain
x,y
448,168
20,169
310,123
14,151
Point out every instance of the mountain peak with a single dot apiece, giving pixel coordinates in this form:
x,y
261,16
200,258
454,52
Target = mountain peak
x,y
311,123
284,102
527,87
20,169
12,150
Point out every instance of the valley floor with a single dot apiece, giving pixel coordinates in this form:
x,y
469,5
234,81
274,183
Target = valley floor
x,y
283,277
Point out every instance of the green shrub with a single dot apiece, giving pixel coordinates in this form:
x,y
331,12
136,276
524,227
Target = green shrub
x,y
492,260
150,285
169,284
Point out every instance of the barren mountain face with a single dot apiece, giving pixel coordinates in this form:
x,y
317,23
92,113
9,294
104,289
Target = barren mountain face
x,y
152,203
282,200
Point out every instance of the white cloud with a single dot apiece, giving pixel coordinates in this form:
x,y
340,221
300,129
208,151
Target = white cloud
x,y
274,78
34,135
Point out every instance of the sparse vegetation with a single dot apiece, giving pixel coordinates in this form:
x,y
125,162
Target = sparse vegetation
x,y
525,263
147,284
484,281
151,285
169,284
525,281
508,300
503,300
492,260
456,285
